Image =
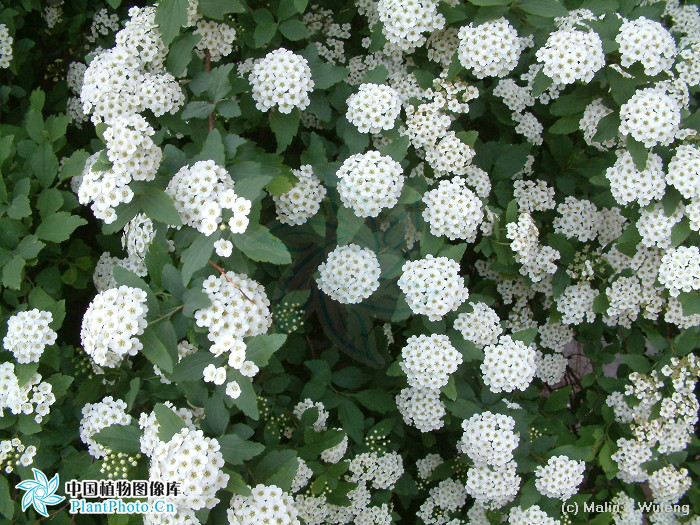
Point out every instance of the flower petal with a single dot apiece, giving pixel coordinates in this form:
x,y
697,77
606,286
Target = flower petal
x,y
28,484
40,477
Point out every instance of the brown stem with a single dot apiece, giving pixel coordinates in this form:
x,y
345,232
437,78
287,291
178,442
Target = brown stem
x,y
223,273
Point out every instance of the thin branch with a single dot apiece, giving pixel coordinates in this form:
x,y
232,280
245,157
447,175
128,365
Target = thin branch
x,y
223,273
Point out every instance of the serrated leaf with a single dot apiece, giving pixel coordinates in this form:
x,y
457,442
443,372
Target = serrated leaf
x,y
213,148
285,127
198,109
377,400
639,153
294,30
236,451
690,302
59,226
216,9
171,15
219,83
260,245
196,256
156,204
169,422
156,351
260,348
544,8
120,438
44,164
180,53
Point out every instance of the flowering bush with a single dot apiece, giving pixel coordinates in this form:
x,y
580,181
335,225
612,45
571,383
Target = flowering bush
x,y
394,261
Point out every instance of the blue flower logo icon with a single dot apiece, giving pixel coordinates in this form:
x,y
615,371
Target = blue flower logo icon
x,y
40,492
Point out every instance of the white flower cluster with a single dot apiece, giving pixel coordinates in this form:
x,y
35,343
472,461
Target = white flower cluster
x,y
405,21
449,155
426,123
302,202
239,308
508,365
684,171
137,236
576,303
148,423
433,286
130,78
529,127
578,218
421,408
373,108
13,454
6,42
194,461
668,485
34,396
647,42
134,156
489,439
282,79
493,487
570,55
537,261
369,182
656,227
481,326
217,39
96,416
651,117
383,471
531,516
449,496
111,323
560,477
350,274
680,270
624,298
453,210
491,49
103,23
592,115
533,195
550,367
428,361
516,97
53,14
320,423
28,334
628,184
427,465
202,192
555,335
335,454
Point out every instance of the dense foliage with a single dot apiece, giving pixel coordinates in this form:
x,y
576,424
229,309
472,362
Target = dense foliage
x,y
394,261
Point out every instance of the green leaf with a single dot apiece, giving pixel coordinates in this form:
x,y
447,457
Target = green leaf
x,y
260,245
236,483
377,400
229,109
196,256
34,124
349,225
278,467
216,9
490,2
352,420
217,415
19,208
180,54
198,109
284,126
639,153
248,400
171,15
7,506
213,148
156,204
29,247
545,8
690,301
636,362
37,99
59,226
219,84
680,232
450,389
169,422
565,125
264,32
527,336
294,30
236,451
157,352
120,438
260,348
396,149
558,400
44,164
607,128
